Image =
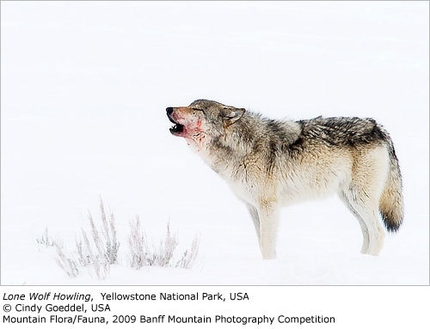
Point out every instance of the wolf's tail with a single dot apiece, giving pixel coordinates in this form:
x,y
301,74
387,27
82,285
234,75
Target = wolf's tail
x,y
391,202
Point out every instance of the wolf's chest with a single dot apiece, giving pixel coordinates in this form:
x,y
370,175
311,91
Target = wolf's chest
x,y
244,191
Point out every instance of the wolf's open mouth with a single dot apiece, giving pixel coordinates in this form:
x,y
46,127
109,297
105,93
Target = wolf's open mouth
x,y
177,128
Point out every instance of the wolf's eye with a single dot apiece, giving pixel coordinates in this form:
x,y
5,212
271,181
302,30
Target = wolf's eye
x,y
200,110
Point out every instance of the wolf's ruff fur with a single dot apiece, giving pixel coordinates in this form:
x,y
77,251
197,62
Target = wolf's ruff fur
x,y
270,164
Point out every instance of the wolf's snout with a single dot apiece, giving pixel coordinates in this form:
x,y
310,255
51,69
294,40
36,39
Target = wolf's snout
x,y
177,128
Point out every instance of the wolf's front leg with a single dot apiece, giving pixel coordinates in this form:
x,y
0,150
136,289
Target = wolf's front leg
x,y
255,219
269,219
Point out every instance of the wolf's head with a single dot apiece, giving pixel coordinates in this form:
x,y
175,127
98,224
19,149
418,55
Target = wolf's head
x,y
202,121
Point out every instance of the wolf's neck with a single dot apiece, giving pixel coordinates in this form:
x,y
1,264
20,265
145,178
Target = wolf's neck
x,y
252,136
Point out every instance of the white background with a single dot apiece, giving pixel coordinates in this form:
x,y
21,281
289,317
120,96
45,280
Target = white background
x,y
84,89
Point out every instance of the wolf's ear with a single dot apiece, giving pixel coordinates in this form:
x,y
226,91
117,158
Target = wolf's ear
x,y
230,115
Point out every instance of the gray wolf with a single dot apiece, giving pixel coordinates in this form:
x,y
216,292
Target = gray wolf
x,y
270,164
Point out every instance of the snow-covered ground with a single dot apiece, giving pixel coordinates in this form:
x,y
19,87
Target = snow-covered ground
x,y
84,91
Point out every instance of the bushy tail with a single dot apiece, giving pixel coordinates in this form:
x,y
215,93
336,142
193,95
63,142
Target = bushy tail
x,y
391,203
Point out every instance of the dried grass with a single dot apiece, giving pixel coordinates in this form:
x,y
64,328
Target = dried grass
x,y
98,249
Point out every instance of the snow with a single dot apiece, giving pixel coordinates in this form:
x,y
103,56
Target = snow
x,y
84,91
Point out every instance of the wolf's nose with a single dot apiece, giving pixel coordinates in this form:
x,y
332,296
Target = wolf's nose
x,y
169,110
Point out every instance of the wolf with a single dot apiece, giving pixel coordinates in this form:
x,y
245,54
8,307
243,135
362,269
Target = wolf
x,y
271,163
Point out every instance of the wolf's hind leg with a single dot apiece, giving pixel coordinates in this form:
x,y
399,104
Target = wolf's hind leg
x,y
376,232
363,193
364,230
366,208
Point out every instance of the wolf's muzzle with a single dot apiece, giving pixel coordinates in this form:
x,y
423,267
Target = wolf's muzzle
x,y
177,128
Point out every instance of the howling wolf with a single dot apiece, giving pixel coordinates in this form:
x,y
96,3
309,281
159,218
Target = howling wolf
x,y
270,164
